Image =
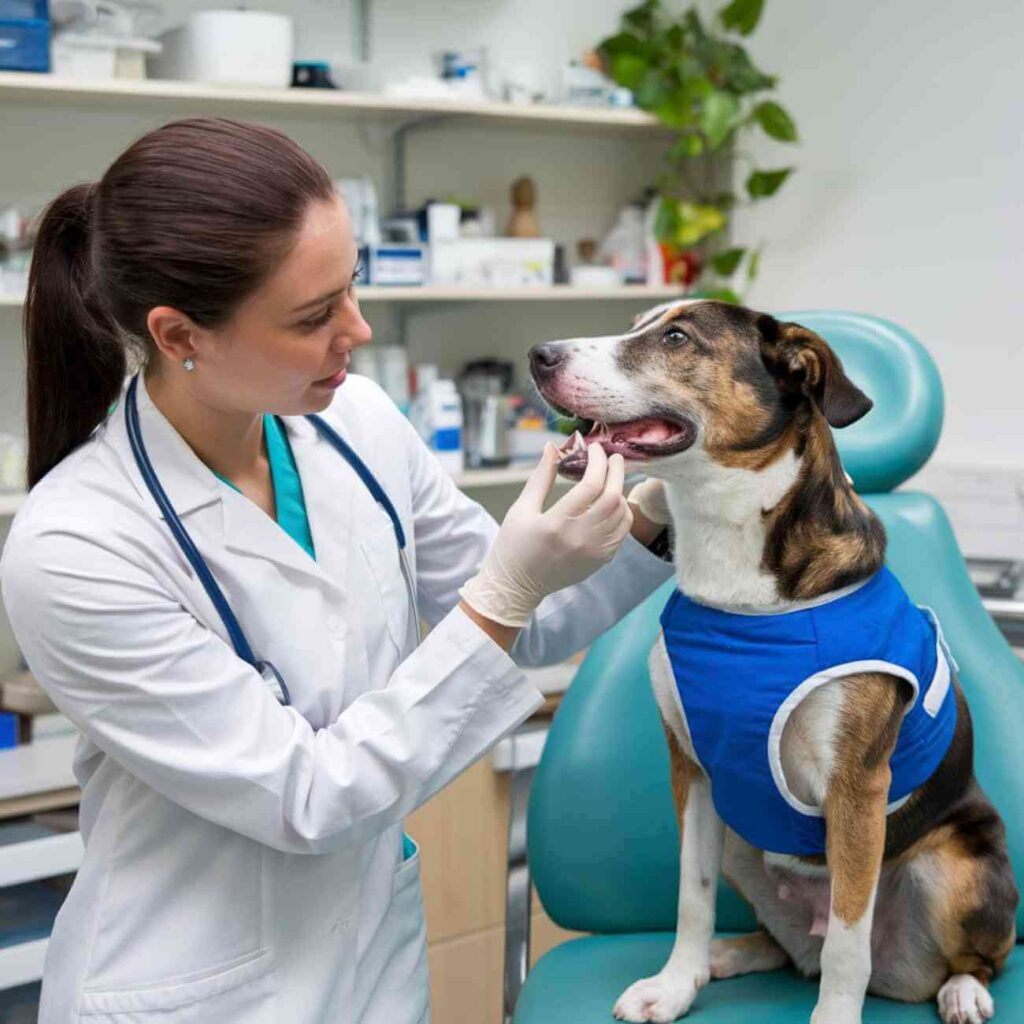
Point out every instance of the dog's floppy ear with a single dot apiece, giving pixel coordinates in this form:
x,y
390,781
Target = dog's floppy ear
x,y
803,363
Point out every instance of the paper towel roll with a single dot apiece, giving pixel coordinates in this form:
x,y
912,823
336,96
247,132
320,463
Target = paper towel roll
x,y
241,48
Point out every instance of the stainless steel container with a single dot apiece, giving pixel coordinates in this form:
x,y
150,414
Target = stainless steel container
x,y
496,431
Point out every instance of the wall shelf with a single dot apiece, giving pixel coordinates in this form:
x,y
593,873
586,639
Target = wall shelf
x,y
468,480
443,293
35,768
471,479
181,96
11,502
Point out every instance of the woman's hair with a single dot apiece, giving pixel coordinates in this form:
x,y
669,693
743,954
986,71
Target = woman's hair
x,y
194,215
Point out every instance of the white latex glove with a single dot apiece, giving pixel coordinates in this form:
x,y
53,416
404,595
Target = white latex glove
x,y
650,498
538,552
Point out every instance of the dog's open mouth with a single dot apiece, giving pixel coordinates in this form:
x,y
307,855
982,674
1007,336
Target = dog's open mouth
x,y
635,440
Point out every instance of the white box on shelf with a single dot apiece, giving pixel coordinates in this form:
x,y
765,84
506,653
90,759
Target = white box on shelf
x,y
234,48
443,222
396,264
493,262
81,55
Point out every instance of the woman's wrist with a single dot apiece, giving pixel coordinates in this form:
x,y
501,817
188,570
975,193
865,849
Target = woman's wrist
x,y
503,636
645,530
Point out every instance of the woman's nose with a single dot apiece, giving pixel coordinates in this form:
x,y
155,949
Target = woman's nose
x,y
356,330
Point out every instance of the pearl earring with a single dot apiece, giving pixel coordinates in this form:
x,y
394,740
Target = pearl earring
x,y
189,364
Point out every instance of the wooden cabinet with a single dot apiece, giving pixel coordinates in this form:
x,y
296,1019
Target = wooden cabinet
x,y
463,836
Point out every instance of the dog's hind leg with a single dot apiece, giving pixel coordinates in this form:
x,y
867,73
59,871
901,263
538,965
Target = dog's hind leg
x,y
746,954
973,900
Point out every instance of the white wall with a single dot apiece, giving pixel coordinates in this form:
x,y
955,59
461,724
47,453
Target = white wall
x,y
909,200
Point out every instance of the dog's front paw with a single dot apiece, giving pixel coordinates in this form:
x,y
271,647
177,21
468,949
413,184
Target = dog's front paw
x,y
964,1000
837,1009
663,998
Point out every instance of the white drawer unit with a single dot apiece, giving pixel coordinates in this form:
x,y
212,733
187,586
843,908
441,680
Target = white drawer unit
x,y
32,856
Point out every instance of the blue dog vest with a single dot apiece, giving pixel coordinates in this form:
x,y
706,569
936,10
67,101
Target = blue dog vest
x,y
739,677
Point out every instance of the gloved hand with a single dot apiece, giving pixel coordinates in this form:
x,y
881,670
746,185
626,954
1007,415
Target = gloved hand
x,y
538,552
650,498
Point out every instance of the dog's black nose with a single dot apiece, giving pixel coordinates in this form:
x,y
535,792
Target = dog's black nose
x,y
546,358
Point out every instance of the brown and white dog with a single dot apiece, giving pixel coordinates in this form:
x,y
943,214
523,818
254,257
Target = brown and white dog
x,y
733,410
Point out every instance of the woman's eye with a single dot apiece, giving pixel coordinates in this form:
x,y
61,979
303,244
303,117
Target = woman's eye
x,y
320,320
675,336
357,276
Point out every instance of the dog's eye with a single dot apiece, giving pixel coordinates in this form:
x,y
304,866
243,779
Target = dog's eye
x,y
675,336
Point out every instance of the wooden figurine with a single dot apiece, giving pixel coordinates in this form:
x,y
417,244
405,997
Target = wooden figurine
x,y
523,222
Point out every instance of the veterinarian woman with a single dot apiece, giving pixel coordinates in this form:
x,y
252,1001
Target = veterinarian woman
x,y
214,580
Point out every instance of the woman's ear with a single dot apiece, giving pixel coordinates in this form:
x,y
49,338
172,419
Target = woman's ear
x,y
172,332
803,363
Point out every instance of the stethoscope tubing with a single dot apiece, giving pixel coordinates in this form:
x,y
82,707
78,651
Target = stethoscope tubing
x,y
184,540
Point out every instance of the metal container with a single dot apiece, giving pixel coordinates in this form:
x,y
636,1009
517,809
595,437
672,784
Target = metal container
x,y
478,381
496,431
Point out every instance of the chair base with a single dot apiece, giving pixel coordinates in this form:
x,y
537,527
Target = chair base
x,y
579,982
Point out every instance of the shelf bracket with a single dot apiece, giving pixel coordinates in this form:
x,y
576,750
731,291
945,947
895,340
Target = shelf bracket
x,y
399,156
362,30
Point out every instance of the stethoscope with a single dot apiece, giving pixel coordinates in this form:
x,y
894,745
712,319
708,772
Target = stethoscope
x,y
238,640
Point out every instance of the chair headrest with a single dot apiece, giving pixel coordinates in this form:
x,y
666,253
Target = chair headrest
x,y
895,371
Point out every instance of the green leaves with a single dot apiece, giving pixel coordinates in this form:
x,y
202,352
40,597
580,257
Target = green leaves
x,y
666,217
742,15
775,121
726,262
761,184
696,77
753,266
643,18
722,294
683,224
737,70
628,69
719,115
686,147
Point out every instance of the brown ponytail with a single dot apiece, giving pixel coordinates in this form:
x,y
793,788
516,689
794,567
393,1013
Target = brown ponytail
x,y
194,216
75,365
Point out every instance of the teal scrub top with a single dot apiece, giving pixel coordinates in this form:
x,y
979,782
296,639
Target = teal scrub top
x,y
288,497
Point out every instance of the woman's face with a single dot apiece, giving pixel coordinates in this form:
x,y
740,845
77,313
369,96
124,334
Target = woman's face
x,y
288,345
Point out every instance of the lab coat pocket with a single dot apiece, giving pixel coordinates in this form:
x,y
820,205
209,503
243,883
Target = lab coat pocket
x,y
240,989
408,871
394,968
380,550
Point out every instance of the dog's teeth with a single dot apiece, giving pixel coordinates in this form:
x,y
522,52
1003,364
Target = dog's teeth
x,y
577,441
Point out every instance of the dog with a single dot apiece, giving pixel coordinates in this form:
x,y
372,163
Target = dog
x,y
779,567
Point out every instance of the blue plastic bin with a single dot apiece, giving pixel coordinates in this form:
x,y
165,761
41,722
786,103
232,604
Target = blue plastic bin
x,y
24,35
24,10
8,730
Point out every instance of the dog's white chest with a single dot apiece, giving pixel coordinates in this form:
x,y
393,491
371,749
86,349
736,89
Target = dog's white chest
x,y
719,529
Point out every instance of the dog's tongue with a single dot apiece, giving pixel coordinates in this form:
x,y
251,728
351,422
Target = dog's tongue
x,y
646,431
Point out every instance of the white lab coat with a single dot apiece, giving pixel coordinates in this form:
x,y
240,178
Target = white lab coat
x,y
243,860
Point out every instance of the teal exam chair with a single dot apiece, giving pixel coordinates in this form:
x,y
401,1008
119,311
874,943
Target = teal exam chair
x,y
602,836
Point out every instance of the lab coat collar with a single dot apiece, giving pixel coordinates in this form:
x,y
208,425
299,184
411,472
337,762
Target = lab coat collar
x,y
248,530
188,481
191,485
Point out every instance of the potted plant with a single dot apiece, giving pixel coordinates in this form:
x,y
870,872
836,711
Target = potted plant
x,y
698,79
